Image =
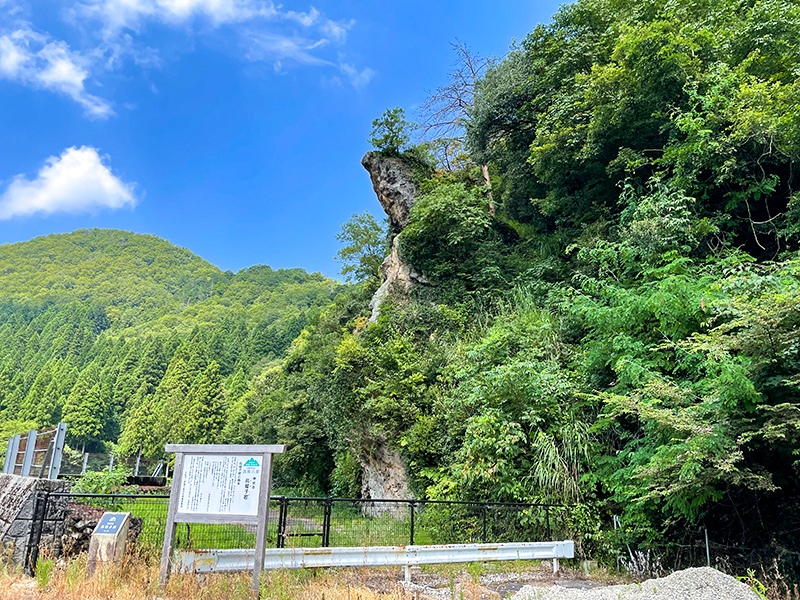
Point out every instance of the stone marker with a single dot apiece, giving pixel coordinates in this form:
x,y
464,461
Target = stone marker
x,y
108,540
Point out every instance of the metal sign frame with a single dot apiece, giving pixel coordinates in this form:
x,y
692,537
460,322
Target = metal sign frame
x,y
174,516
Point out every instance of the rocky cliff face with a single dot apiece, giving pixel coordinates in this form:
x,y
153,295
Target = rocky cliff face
x,y
393,182
383,476
383,471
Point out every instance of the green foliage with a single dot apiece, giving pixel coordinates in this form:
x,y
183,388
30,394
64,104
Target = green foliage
x,y
94,351
44,570
101,482
391,132
453,238
9,429
607,93
366,244
346,477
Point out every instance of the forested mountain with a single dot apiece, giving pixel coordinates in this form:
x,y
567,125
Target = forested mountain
x,y
612,316
606,313
131,339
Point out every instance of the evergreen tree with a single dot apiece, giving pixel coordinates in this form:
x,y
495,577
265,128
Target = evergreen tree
x,y
171,399
205,417
139,433
84,411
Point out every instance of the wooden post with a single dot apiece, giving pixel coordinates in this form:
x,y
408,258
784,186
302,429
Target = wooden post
x,y
263,505
169,531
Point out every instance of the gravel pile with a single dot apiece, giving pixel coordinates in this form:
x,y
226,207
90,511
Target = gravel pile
x,y
690,584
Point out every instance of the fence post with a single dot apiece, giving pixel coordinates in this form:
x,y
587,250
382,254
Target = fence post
x,y
27,458
547,517
35,536
411,505
483,516
282,509
58,451
326,522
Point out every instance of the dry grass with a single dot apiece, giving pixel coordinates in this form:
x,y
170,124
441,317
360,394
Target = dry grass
x,y
138,580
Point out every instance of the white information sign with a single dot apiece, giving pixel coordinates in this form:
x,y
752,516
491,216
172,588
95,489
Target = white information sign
x,y
219,483
225,485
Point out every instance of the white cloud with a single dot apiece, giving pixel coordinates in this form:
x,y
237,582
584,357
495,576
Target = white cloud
x,y
31,59
358,79
121,14
112,32
336,30
278,48
268,32
12,59
306,19
75,182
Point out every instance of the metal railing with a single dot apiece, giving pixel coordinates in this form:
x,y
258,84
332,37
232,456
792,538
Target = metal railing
x,y
329,522
36,453
216,561
299,522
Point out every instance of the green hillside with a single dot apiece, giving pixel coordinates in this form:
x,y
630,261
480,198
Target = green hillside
x,y
613,315
92,322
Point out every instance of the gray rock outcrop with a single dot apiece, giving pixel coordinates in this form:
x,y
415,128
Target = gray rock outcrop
x,y
393,182
383,477
383,470
397,276
394,185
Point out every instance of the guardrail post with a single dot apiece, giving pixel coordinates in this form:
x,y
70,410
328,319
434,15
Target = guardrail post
x,y
411,506
483,516
27,458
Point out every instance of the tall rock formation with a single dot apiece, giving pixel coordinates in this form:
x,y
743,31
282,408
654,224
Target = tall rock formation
x,y
383,470
394,185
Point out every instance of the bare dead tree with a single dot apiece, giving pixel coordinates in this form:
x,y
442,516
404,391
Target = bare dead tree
x,y
445,111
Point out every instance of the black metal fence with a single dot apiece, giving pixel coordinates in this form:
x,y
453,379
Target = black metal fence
x,y
67,520
363,522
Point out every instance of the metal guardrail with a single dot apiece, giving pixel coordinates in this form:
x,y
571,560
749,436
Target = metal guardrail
x,y
210,561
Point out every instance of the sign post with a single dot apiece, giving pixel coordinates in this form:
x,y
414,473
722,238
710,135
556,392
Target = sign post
x,y
219,484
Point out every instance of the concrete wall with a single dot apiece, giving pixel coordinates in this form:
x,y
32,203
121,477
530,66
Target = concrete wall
x,y
17,504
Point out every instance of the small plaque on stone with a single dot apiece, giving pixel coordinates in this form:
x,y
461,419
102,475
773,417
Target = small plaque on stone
x,y
108,540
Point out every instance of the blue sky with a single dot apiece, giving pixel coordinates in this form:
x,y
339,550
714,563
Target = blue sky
x,y
233,128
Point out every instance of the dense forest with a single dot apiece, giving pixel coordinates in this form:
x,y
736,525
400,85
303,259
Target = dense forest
x,y
134,341
609,225
609,230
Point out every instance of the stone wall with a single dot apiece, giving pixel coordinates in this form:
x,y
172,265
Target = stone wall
x,y
17,507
